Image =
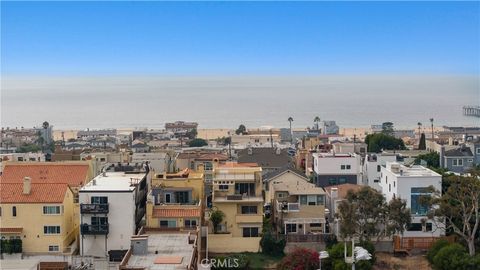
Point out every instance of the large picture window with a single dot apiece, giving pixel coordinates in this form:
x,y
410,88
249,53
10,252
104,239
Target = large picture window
x,y
250,232
249,209
417,207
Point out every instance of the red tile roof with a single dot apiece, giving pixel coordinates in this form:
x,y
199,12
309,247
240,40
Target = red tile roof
x,y
39,193
175,213
11,230
72,174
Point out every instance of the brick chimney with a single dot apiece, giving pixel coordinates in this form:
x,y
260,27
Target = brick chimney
x,y
27,185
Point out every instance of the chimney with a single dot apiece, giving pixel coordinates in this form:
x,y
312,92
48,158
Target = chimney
x,y
27,185
278,151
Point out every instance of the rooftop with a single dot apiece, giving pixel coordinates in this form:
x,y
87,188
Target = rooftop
x,y
343,189
169,247
114,181
39,193
413,171
332,155
459,152
73,174
265,157
238,165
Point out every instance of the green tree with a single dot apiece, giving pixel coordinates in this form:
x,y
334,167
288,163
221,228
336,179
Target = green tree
x,y
197,143
316,120
380,141
192,134
432,159
290,120
365,214
436,247
387,128
241,130
216,217
422,144
453,256
460,206
26,148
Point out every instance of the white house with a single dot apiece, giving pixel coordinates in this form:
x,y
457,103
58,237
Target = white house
x,y
111,208
372,168
334,169
409,184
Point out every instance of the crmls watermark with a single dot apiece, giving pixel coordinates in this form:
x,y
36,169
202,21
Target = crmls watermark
x,y
220,262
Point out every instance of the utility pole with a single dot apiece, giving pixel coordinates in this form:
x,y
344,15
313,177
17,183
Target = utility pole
x,y
431,121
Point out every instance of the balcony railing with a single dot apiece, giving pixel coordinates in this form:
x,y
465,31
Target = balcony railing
x,y
92,208
287,207
97,229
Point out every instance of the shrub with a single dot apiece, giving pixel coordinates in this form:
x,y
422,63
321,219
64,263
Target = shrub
x,y
436,247
300,259
272,246
330,240
453,256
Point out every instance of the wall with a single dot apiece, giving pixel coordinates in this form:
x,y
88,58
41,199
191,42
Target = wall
x,y
225,243
121,219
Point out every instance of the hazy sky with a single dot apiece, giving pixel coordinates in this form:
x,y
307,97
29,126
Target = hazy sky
x,y
233,38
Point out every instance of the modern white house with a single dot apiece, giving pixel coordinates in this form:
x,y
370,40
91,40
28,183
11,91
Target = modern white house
x,y
111,208
335,169
410,184
372,167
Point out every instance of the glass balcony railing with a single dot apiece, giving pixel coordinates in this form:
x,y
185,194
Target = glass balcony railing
x,y
92,208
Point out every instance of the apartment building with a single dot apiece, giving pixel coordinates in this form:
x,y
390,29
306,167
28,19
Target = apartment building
x,y
335,169
372,167
298,205
237,192
176,200
112,206
42,215
410,184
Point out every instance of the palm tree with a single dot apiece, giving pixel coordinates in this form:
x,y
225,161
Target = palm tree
x,y
419,128
290,119
431,121
316,120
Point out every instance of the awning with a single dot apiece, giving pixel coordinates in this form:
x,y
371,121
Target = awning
x,y
4,230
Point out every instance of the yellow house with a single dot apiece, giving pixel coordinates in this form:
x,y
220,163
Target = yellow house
x,y
237,192
42,215
175,201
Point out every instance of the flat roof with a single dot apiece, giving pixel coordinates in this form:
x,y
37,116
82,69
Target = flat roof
x,y
413,171
168,245
113,181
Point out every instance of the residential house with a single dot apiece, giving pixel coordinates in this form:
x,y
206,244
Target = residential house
x,y
335,195
175,201
458,160
410,184
372,167
139,147
334,169
298,206
42,215
112,206
237,192
349,147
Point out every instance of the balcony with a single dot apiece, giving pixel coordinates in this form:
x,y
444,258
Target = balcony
x,y
287,207
98,229
219,197
91,208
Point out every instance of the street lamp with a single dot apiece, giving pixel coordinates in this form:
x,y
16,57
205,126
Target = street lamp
x,y
358,254
322,255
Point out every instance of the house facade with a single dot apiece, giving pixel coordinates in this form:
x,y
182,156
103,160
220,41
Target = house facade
x,y
176,201
237,192
410,184
334,169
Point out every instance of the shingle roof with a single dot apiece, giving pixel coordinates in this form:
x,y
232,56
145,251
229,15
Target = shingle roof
x,y
267,177
176,213
72,174
459,152
265,157
39,193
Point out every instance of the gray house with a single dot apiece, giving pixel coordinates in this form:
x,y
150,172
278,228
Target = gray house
x,y
459,160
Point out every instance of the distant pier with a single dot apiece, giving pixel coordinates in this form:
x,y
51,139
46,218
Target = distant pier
x,y
471,111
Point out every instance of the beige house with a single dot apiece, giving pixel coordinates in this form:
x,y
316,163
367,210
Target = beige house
x,y
237,192
298,206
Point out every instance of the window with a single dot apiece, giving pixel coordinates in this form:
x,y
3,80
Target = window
x,y
478,150
415,227
168,198
51,210
168,223
208,166
14,211
249,209
51,229
342,180
99,220
332,181
0,211
417,208
181,197
53,248
342,167
99,200
379,168
223,187
320,200
192,165
470,160
20,159
386,179
242,188
457,162
291,228
250,232
428,227
315,225
348,167
190,223
102,159
394,183
389,187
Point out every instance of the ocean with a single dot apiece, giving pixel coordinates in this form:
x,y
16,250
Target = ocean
x,y
226,102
